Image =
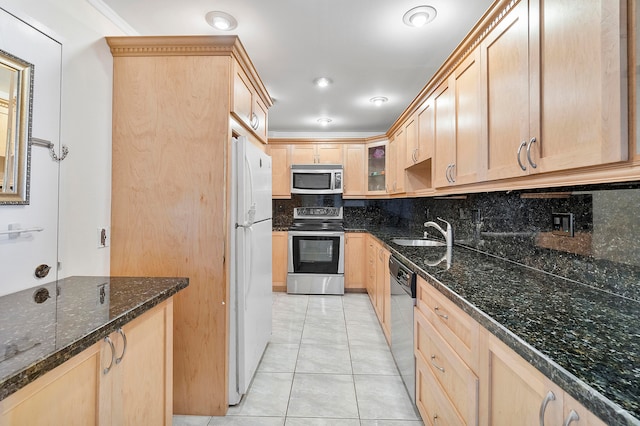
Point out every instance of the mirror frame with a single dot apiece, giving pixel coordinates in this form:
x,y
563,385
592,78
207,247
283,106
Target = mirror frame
x,y
23,136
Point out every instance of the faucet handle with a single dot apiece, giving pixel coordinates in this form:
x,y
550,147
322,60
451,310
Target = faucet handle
x,y
442,220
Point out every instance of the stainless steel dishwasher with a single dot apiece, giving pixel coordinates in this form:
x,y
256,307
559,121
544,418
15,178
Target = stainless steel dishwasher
x,y
403,299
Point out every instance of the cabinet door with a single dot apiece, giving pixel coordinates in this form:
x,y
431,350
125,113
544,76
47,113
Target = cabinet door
x,y
67,395
303,154
426,131
392,166
242,95
411,142
400,160
260,115
145,372
377,172
517,391
281,171
279,266
354,267
329,153
371,269
354,173
468,130
505,55
581,416
576,72
444,144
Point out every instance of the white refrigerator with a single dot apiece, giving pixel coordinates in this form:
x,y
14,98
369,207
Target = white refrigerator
x,y
251,282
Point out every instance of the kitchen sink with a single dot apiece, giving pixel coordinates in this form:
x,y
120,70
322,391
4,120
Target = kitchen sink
x,y
418,242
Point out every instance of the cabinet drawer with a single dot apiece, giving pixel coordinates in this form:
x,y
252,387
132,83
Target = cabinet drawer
x,y
457,328
434,406
455,378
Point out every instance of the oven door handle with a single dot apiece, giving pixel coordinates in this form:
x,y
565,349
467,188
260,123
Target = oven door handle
x,y
316,234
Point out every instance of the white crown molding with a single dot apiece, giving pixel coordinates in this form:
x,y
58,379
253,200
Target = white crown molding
x,y
113,17
322,135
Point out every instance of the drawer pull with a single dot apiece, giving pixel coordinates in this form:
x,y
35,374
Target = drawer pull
x,y
543,406
572,417
433,357
435,420
436,309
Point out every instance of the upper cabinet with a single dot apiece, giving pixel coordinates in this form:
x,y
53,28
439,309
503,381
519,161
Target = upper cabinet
x,y
281,170
376,168
553,87
354,173
316,153
247,104
458,128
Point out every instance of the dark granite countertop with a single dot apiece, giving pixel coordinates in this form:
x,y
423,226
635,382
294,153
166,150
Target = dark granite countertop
x,y
74,313
584,339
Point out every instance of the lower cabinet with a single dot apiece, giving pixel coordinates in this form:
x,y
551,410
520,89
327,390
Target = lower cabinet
x,y
467,376
378,284
279,260
129,383
354,262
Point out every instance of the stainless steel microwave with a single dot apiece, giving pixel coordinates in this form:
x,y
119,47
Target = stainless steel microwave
x,y
316,179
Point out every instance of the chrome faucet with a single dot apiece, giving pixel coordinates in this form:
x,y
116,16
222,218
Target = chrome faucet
x,y
448,234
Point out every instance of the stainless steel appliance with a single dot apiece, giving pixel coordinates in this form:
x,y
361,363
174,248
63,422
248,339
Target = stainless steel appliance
x,y
316,251
403,299
316,179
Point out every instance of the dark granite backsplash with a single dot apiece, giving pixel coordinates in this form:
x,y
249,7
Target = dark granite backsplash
x,y
517,225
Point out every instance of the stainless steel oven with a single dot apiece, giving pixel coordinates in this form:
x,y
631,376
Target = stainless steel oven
x,y
316,252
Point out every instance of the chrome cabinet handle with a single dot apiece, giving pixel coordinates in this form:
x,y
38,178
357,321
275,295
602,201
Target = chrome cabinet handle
x,y
435,419
124,348
531,142
254,121
436,309
446,173
414,155
572,417
543,406
522,166
452,173
113,355
433,357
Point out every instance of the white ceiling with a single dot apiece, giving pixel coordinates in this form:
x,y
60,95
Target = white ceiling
x,y
362,45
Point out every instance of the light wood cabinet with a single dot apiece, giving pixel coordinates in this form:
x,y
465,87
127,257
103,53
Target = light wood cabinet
x,y
170,200
426,131
377,154
396,160
281,170
372,252
130,386
247,105
279,268
458,135
354,261
553,88
316,153
379,284
354,170
412,148
446,349
517,392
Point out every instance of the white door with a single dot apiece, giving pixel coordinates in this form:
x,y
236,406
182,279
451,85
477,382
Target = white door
x,y
20,256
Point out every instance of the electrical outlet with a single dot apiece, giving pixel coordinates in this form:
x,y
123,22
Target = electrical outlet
x,y
104,237
562,224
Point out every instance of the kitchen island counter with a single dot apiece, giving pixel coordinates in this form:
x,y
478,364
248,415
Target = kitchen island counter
x,y
42,327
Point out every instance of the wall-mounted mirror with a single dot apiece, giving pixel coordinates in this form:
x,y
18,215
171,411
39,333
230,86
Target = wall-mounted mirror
x,y
16,91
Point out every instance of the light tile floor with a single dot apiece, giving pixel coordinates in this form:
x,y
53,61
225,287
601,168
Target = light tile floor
x,y
327,364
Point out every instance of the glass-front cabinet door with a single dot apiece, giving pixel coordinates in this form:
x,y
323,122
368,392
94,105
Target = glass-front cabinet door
x,y
376,167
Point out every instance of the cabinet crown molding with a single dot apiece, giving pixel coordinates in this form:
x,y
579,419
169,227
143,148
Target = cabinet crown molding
x,y
138,46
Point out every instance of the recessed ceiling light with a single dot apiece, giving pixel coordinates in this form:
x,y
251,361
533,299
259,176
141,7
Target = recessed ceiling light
x,y
221,21
419,16
322,81
324,121
378,100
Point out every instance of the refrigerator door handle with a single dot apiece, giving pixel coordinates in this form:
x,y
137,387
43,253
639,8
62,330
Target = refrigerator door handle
x,y
247,283
251,213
